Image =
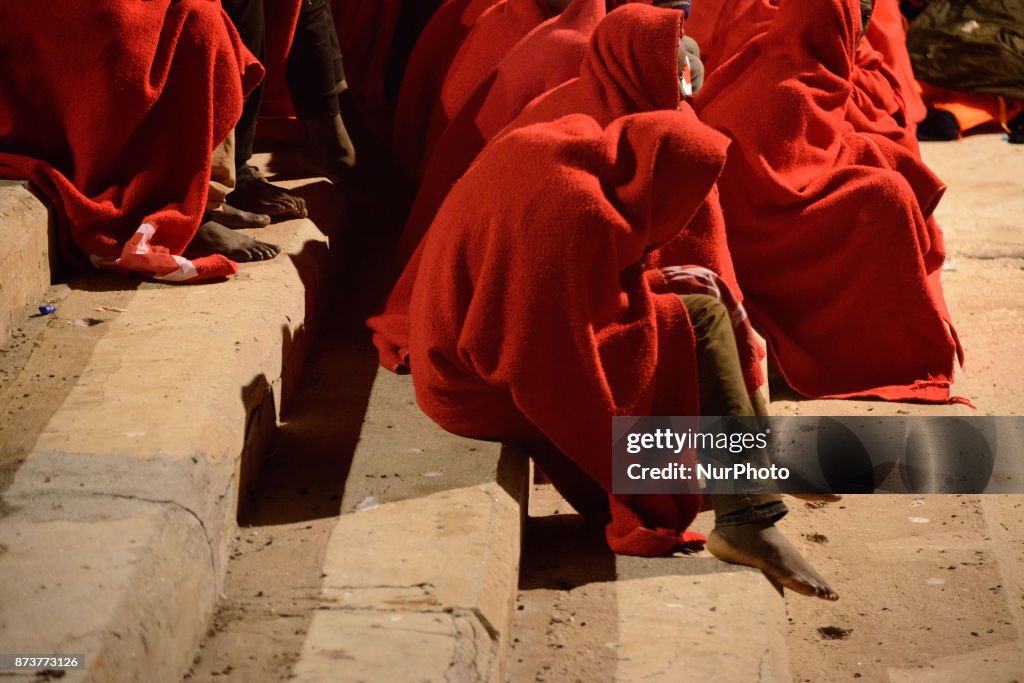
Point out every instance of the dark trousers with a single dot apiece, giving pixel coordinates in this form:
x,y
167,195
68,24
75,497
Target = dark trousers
x,y
247,16
723,392
314,73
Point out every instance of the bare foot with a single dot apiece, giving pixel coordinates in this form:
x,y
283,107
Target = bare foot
x,y
255,193
236,219
214,238
762,546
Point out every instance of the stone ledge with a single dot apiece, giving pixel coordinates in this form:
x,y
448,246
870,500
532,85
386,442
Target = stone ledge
x,y
25,246
420,590
422,569
169,403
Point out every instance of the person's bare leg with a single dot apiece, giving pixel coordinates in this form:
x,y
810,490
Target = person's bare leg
x,y
254,193
329,146
762,546
212,237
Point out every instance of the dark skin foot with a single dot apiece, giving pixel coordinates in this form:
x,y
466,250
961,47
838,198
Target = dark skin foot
x,y
762,546
214,238
255,194
236,219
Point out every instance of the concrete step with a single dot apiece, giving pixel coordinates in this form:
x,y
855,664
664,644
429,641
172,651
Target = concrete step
x,y
585,614
26,250
127,440
420,573
930,589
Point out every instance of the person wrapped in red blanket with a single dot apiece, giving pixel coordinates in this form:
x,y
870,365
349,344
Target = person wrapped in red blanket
x,y
118,129
532,320
884,100
632,65
460,45
547,57
836,257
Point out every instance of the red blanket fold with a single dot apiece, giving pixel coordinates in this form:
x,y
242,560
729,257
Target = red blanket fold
x,y
421,85
117,129
366,31
630,67
493,35
879,99
549,56
531,315
722,27
281,19
877,110
887,33
831,245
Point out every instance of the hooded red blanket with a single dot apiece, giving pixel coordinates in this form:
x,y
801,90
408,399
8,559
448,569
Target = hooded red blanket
x,y
839,266
421,85
547,57
884,100
118,129
630,67
878,101
492,36
887,33
531,315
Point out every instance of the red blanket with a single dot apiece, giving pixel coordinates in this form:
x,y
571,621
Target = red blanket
x,y
630,67
474,53
421,85
887,33
547,57
722,27
281,19
877,110
492,36
833,251
117,128
879,99
531,315
366,31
